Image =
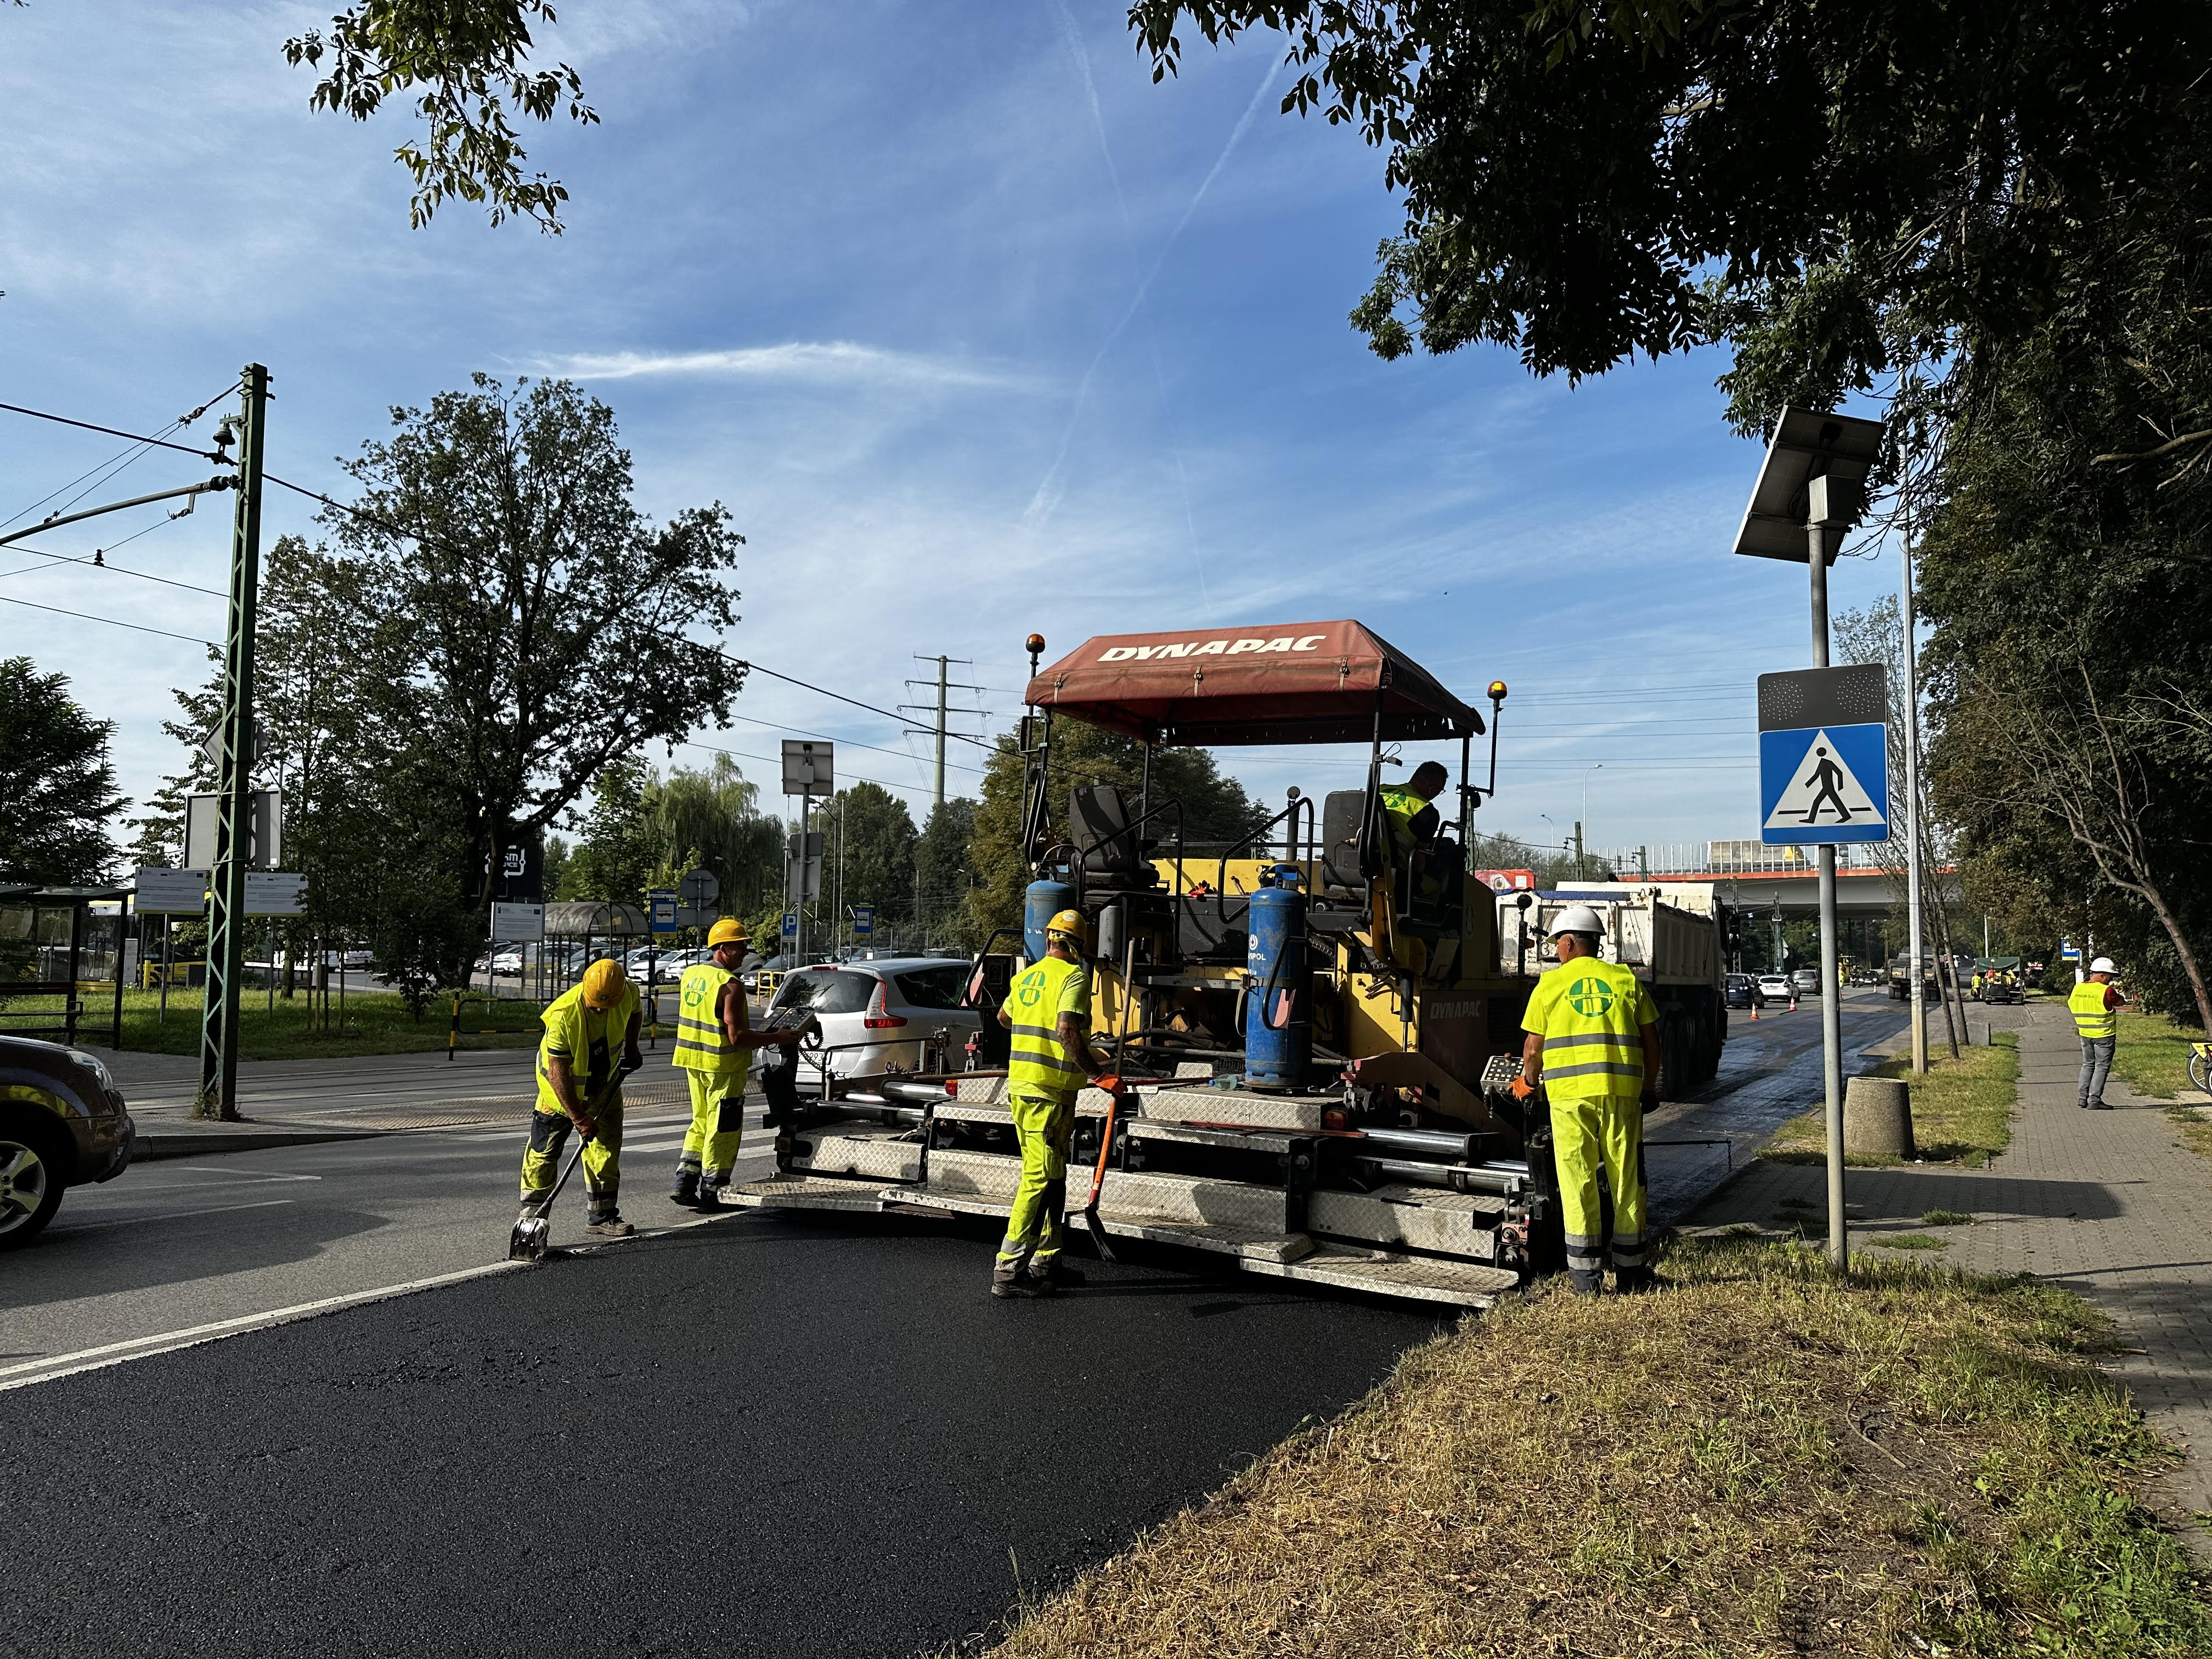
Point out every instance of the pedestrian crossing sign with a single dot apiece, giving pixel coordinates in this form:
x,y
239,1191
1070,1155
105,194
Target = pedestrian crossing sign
x,y
1829,784
1824,757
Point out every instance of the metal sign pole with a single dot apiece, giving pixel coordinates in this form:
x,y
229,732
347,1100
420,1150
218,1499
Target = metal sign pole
x,y
1831,1013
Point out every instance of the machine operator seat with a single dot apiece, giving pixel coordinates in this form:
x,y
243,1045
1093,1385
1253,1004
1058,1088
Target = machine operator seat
x,y
1112,855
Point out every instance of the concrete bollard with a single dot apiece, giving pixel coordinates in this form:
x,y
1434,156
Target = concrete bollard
x,y
1877,1117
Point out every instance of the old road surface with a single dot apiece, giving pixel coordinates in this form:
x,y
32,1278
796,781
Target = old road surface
x,y
757,1436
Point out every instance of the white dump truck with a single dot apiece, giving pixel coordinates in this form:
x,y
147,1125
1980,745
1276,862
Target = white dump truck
x,y
1673,935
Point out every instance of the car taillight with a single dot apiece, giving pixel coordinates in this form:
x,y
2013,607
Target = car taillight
x,y
876,1019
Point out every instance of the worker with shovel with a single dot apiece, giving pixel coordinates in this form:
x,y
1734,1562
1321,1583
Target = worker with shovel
x,y
577,1059
715,1051
1048,1008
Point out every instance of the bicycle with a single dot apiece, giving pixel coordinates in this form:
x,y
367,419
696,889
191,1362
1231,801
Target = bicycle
x,y
2200,1065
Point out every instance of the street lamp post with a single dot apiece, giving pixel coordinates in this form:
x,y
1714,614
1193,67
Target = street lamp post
x,y
1582,824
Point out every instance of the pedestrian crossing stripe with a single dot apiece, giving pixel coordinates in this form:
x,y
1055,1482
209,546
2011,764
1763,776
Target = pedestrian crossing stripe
x,y
1829,784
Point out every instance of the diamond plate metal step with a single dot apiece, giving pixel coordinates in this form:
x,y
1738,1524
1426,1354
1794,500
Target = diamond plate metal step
x,y
860,1149
1176,1200
1420,1278
1240,1106
1420,1217
805,1192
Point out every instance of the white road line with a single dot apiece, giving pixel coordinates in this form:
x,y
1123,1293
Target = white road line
x,y
116,1353
228,1180
170,1215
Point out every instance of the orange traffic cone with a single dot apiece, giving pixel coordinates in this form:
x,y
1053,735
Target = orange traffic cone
x,y
1793,1002
1754,1010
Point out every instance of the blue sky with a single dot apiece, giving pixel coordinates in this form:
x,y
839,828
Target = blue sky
x,y
974,329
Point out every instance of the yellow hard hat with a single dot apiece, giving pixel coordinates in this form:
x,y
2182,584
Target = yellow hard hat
x,y
604,983
1068,924
728,930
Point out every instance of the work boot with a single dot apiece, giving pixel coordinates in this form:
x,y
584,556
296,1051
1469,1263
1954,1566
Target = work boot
x,y
1636,1281
1014,1279
1586,1283
2101,1106
608,1225
1054,1272
710,1195
686,1190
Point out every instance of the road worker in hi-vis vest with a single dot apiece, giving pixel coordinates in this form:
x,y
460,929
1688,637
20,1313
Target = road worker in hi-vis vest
x,y
2095,1004
577,1062
1593,1043
714,1046
1048,1008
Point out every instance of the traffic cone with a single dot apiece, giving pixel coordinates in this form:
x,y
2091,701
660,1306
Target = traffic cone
x,y
1793,1002
1754,1010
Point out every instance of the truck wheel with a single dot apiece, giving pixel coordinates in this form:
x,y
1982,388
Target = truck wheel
x,y
31,1163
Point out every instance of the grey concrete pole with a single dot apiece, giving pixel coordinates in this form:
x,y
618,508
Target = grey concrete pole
x,y
1831,1013
1913,815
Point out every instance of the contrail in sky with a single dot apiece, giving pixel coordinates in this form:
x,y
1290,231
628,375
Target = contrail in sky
x,y
1050,489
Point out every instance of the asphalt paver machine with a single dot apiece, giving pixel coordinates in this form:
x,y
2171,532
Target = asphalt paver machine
x,y
1318,1021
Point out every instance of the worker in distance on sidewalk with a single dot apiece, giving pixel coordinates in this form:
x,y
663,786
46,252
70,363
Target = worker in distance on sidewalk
x,y
1593,1042
576,1063
1048,1008
714,1050
2095,1004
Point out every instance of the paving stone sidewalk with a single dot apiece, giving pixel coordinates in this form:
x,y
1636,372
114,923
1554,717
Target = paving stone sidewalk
x,y
2108,1204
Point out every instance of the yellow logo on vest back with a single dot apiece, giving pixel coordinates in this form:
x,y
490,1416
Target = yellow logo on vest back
x,y
1591,997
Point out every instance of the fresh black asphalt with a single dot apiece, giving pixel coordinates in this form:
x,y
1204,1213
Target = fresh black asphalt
x,y
767,1437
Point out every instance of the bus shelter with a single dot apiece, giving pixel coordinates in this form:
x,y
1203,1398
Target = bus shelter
x,y
63,952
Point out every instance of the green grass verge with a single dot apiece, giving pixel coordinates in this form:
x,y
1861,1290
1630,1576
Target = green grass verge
x,y
2152,1055
1907,1241
376,1023
1962,1110
1946,1219
1768,1460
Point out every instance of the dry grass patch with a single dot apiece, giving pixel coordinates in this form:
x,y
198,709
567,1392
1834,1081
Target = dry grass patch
x,y
1768,1461
1962,1110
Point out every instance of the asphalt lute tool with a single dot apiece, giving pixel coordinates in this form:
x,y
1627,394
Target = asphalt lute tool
x,y
532,1233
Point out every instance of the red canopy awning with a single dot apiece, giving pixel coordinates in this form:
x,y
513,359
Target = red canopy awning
x,y
1294,683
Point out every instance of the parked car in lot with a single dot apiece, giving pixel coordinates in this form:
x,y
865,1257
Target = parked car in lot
x,y
1775,988
877,1015
63,1124
749,976
1742,992
1806,982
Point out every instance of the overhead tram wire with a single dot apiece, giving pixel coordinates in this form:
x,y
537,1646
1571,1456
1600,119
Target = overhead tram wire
x,y
84,616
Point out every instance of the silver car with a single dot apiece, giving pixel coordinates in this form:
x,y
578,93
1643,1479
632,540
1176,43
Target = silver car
x,y
876,1016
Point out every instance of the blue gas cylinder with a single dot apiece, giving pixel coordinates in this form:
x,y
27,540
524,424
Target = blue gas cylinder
x,y
1044,901
1278,1022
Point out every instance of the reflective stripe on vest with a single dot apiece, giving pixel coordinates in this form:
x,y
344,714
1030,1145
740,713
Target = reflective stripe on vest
x,y
1039,1060
701,1045
1597,1040
2094,1021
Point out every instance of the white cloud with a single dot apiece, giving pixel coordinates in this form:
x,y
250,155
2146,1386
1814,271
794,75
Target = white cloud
x,y
821,363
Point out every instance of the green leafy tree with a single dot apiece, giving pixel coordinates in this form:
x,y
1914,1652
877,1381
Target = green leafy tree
x,y
945,867
877,861
617,852
532,627
467,62
56,786
711,820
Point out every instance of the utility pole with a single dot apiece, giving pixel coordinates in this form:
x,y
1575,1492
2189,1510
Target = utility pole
x,y
1579,874
941,709
219,1022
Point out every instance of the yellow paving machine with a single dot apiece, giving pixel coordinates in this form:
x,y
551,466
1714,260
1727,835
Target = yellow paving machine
x,y
1319,1022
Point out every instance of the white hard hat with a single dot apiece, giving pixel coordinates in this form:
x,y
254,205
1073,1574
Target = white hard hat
x,y
1575,919
2103,965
